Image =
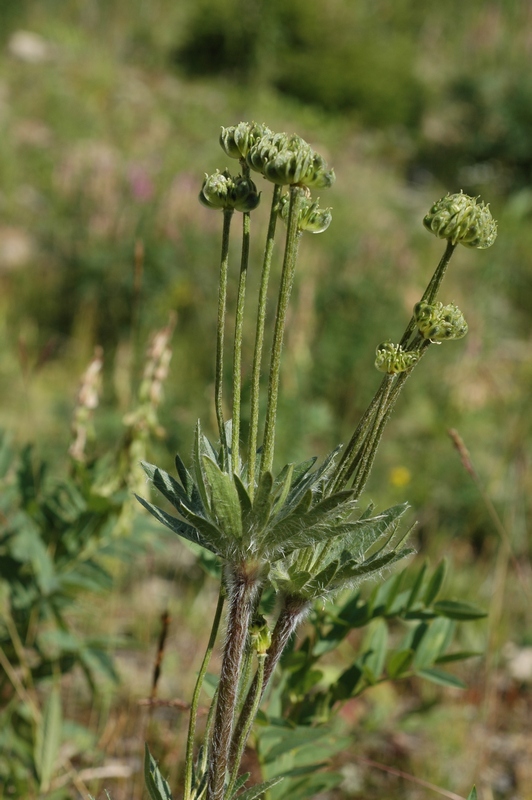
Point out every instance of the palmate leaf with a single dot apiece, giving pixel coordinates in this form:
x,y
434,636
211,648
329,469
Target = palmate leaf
x,y
198,451
225,502
207,538
262,503
296,529
281,486
170,488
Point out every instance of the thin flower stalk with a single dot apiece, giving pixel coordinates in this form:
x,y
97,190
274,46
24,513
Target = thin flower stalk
x,y
220,329
430,293
237,349
287,281
259,342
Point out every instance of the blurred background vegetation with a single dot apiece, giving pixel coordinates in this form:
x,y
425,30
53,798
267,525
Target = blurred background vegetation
x,y
109,117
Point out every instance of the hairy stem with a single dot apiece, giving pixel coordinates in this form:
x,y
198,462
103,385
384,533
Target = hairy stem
x,y
242,587
247,722
293,611
259,342
196,695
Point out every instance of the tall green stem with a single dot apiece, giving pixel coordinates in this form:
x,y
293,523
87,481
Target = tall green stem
x,y
259,342
195,697
237,350
287,281
358,456
220,330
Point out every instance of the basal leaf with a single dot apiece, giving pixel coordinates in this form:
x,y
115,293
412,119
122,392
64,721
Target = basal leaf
x,y
281,486
197,462
225,503
262,502
167,486
184,476
208,537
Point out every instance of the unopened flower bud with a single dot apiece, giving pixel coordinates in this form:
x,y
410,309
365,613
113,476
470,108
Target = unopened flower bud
x,y
391,358
438,323
260,635
287,160
312,218
215,190
244,195
222,191
460,218
237,140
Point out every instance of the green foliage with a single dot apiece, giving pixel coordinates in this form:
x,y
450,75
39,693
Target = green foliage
x,y
56,539
428,633
308,697
157,786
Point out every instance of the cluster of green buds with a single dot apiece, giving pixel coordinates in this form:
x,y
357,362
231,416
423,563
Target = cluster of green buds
x,y
281,158
460,218
393,359
286,160
311,218
237,140
223,191
438,323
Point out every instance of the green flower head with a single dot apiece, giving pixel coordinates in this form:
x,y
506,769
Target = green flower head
x,y
312,218
222,191
237,140
438,323
460,218
287,160
391,358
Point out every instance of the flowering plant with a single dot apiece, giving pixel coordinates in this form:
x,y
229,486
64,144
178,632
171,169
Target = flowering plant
x,y
298,532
